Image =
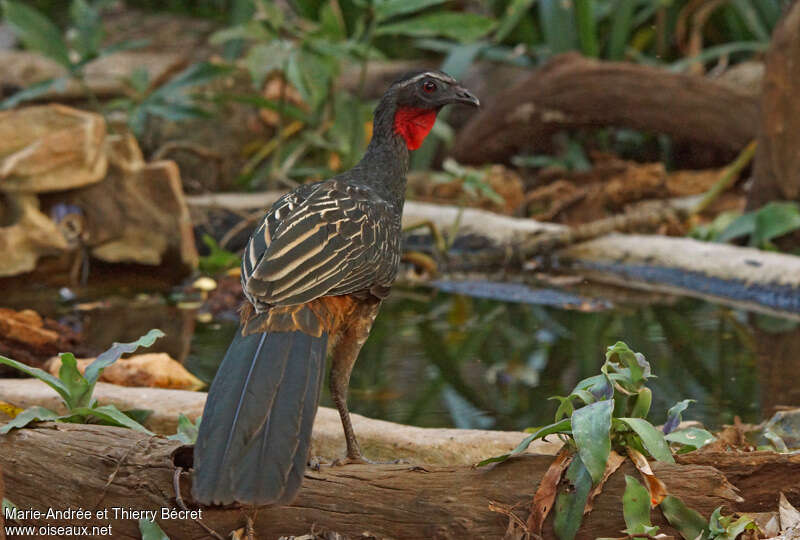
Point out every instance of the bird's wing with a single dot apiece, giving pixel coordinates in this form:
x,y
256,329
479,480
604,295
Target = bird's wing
x,y
335,241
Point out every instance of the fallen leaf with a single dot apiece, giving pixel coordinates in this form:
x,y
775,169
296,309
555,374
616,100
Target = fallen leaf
x,y
655,486
790,516
154,370
614,462
546,492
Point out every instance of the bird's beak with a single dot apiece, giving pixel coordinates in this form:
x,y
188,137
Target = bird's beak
x,y
465,97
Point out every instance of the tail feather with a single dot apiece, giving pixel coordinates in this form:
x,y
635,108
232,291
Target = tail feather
x,y
256,429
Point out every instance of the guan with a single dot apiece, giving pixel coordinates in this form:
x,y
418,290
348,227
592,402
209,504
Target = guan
x,y
314,273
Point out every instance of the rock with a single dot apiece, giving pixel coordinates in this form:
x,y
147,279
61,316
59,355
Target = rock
x,y
28,236
50,147
105,76
153,370
27,337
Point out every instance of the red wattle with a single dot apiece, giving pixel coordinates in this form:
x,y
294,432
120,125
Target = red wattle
x,y
414,124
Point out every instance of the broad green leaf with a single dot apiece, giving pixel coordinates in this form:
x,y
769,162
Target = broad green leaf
x,y
558,25
744,225
752,19
565,407
774,220
138,415
127,45
591,426
386,9
464,27
78,386
151,530
515,10
571,502
460,58
564,426
36,31
693,437
194,75
33,91
31,414
689,523
187,431
111,415
43,376
652,439
110,356
636,508
674,415
174,111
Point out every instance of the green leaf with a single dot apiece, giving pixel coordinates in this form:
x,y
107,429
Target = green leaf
x,y
774,220
691,437
689,523
744,225
591,426
33,91
31,414
674,415
515,10
571,502
89,28
138,415
36,31
463,27
558,25
652,439
564,426
110,356
109,414
636,508
587,31
641,407
565,407
187,431
386,9
264,58
194,75
43,376
620,28
151,530
78,386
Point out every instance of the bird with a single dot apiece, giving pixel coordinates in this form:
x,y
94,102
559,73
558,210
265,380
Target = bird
x,y
314,274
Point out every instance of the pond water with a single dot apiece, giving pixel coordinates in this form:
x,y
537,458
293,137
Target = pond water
x,y
442,359
438,359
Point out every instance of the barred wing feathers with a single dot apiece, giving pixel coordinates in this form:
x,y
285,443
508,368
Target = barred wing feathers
x,y
334,239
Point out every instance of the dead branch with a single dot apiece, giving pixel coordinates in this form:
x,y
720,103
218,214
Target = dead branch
x,y
572,91
67,465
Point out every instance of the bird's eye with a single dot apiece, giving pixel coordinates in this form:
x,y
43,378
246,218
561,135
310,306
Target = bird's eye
x,y
429,86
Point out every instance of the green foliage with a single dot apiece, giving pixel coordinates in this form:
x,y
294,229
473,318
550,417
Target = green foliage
x,y
473,181
76,389
72,49
636,508
761,227
219,259
151,530
187,430
692,526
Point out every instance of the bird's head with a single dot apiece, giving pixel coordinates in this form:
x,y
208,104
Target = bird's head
x,y
413,101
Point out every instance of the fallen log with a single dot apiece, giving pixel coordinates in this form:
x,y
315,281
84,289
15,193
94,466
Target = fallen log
x,y
380,440
63,466
740,276
571,91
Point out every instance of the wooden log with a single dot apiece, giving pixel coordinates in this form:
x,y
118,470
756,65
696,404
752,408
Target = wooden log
x,y
63,466
571,91
777,162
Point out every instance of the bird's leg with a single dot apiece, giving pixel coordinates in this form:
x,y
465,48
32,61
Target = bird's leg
x,y
344,356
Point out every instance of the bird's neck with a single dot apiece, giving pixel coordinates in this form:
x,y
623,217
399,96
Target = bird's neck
x,y
385,163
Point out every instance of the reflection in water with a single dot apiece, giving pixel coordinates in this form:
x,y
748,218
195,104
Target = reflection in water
x,y
436,359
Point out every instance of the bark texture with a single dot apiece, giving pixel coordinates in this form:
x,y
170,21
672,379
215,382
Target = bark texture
x,y
93,467
571,91
777,160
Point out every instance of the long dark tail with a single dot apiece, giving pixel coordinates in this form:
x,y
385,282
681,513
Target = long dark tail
x,y
254,437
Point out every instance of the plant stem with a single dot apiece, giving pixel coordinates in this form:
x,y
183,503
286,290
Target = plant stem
x,y
726,179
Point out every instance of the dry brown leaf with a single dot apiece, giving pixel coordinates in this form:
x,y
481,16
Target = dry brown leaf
x,y
655,486
547,490
614,462
790,516
154,370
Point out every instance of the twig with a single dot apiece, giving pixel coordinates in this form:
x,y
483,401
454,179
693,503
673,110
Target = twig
x,y
176,485
728,177
117,467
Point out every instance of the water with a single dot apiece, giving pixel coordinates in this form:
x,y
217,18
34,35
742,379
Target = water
x,y
440,360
